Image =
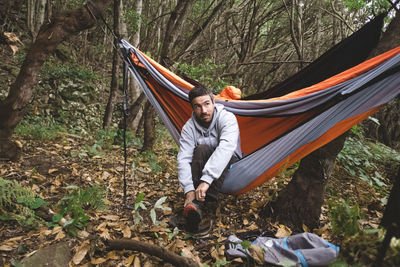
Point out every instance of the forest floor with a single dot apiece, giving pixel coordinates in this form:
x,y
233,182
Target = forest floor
x,y
49,167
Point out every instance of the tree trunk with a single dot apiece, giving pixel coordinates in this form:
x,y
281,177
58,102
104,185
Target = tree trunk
x,y
388,130
13,108
35,16
149,127
300,202
116,67
135,112
173,27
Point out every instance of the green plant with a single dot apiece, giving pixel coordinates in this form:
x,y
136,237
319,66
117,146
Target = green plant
x,y
151,159
205,72
75,204
39,128
367,159
158,205
139,204
344,218
172,233
19,203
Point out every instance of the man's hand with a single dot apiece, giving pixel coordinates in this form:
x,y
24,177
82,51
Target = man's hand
x,y
190,196
201,191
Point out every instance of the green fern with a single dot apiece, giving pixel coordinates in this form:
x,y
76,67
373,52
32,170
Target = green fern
x,y
18,203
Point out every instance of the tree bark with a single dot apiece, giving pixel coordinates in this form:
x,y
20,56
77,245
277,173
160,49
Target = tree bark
x,y
35,16
116,67
13,107
173,27
149,127
301,200
388,130
172,31
135,112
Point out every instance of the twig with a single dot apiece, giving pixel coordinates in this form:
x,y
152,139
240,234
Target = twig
x,y
151,249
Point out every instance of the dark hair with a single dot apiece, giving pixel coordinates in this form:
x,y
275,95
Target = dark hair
x,y
199,90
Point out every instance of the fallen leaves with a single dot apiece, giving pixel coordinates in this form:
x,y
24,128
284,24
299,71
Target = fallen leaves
x,y
6,248
81,252
236,214
283,231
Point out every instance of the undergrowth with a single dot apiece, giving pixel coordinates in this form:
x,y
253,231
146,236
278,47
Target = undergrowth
x,y
39,129
75,205
18,203
369,161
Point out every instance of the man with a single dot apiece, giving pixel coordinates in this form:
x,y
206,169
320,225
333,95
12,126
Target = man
x,y
209,143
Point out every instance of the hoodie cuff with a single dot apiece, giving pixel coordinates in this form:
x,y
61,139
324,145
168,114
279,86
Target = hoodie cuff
x,y
188,188
207,179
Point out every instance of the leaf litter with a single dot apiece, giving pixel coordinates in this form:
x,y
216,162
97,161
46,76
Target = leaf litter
x,y
49,167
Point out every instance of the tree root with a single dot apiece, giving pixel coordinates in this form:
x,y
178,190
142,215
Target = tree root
x,y
151,249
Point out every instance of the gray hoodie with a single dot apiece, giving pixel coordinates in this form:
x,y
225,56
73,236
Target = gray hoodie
x,y
222,134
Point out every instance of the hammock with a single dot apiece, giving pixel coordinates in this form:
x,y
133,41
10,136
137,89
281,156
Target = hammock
x,y
277,132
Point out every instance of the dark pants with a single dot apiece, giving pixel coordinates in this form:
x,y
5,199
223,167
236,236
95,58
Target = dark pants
x,y
201,155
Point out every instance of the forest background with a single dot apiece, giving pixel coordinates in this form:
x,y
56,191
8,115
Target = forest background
x,y
69,141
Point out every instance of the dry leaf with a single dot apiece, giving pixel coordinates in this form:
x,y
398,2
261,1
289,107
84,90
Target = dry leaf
x,y
188,254
112,255
60,235
127,232
52,170
14,239
5,248
56,230
136,262
98,261
322,230
305,228
35,188
252,227
245,222
105,175
110,217
83,234
102,226
283,231
129,260
81,252
218,255
221,239
105,234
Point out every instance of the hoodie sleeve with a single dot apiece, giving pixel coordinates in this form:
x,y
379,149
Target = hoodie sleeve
x,y
186,148
228,140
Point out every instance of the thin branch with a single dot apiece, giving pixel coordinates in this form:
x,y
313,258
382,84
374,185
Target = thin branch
x,y
274,62
338,16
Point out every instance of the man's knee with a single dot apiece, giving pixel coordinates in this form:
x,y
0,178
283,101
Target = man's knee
x,y
203,151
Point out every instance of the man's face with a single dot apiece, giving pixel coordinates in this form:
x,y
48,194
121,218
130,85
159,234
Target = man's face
x,y
203,108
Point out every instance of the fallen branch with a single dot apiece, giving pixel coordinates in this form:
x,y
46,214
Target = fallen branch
x,y
151,249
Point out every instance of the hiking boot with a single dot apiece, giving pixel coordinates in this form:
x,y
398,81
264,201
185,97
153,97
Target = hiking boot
x,y
204,227
177,220
193,215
